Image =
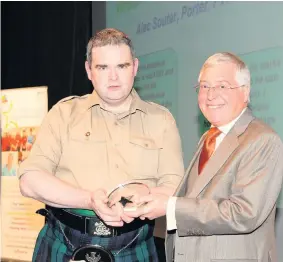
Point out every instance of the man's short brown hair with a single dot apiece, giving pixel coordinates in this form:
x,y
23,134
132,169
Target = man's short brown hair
x,y
108,36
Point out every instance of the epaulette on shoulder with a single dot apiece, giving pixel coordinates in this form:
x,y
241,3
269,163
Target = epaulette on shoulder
x,y
158,105
70,98
67,99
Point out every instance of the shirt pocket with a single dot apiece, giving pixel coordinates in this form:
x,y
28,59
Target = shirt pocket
x,y
144,156
86,154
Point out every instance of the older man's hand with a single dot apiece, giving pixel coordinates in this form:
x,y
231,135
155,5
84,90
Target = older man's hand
x,y
155,206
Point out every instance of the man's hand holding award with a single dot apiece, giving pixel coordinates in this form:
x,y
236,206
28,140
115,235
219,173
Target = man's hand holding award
x,y
139,201
128,195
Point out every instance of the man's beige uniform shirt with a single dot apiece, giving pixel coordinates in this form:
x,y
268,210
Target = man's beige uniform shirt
x,y
84,145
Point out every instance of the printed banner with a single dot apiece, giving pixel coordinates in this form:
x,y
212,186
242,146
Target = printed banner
x,y
22,111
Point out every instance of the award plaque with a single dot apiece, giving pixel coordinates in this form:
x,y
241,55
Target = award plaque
x,y
127,194
92,253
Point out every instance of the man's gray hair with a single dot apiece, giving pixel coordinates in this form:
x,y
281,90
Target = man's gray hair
x,y
243,76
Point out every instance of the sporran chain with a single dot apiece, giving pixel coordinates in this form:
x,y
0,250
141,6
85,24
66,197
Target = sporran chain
x,y
115,254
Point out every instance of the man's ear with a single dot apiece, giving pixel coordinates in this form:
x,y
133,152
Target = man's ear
x,y
136,66
88,70
247,90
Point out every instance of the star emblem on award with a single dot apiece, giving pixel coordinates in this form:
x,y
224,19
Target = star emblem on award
x,y
128,195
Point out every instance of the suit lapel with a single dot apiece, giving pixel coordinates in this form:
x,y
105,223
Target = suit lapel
x,y
181,190
223,152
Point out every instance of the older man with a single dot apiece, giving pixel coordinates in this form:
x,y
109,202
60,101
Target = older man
x,y
224,208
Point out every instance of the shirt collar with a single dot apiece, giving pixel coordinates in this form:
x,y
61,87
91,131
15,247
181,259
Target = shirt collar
x,y
137,103
226,128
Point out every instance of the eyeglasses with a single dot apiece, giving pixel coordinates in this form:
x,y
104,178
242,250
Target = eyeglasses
x,y
204,87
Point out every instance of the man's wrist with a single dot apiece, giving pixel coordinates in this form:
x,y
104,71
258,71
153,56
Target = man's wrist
x,y
89,200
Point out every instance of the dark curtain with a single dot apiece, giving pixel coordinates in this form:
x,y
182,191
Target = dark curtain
x,y
44,43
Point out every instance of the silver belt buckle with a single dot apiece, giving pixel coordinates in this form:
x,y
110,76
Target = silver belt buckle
x,y
98,228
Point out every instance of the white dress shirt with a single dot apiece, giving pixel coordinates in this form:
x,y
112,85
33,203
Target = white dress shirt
x,y
170,211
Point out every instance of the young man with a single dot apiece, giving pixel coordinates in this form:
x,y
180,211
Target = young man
x,y
88,145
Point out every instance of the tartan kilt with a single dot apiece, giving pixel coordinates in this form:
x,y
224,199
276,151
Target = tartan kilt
x,y
51,245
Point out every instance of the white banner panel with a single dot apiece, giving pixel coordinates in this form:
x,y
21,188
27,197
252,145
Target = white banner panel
x,y
22,111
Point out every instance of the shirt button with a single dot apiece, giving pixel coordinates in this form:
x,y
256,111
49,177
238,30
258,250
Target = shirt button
x,y
117,166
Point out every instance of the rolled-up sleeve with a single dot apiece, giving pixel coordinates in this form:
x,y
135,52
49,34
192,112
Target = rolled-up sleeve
x,y
46,151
